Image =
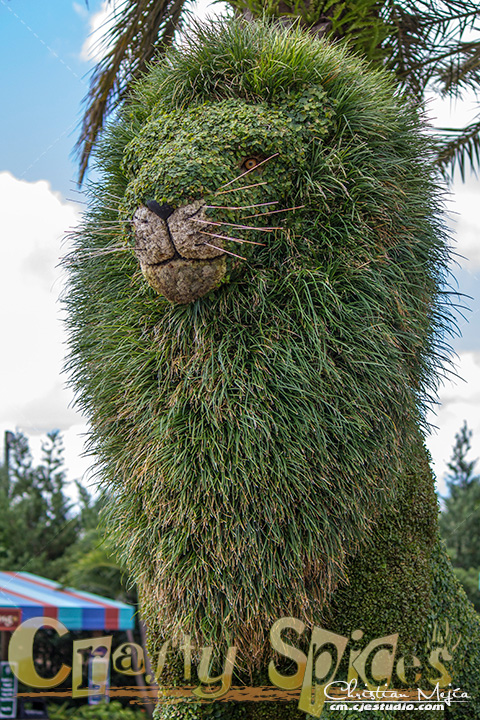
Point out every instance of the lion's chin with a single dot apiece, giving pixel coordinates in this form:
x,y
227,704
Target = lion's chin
x,y
174,256
183,281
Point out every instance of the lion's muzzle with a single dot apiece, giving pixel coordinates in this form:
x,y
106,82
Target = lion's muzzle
x,y
174,257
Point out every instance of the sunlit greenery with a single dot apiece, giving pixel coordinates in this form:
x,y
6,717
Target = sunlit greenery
x,y
427,46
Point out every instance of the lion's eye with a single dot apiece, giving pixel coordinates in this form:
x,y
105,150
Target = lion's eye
x,y
250,163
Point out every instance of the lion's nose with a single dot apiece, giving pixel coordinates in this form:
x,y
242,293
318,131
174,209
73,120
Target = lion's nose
x,y
163,211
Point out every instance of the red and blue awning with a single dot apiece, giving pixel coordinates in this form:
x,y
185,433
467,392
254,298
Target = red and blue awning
x,y
36,596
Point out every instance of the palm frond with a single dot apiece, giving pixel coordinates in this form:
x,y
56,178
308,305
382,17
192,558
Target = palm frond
x,y
458,147
461,71
425,43
141,30
429,39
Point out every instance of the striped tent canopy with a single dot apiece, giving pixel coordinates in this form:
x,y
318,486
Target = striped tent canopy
x,y
29,596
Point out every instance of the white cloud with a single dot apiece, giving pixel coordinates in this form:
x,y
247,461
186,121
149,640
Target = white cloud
x,y
47,411
208,9
94,49
464,218
464,221
460,400
81,9
34,220
78,464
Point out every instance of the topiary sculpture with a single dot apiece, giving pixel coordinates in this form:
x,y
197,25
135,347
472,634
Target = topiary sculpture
x,y
257,322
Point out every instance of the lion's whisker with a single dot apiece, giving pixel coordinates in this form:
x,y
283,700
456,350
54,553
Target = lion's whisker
x,y
91,253
225,251
272,212
109,207
78,202
244,187
226,237
249,171
109,226
242,227
244,207
112,196
76,258
106,232
114,248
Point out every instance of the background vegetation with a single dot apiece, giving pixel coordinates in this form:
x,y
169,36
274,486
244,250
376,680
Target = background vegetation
x,y
44,532
430,47
460,517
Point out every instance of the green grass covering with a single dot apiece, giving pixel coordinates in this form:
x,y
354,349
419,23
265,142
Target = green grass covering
x,y
258,441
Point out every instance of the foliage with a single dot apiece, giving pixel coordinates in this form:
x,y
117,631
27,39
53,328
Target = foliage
x,y
92,566
41,532
141,29
104,711
396,566
469,579
461,469
36,520
449,603
425,44
460,519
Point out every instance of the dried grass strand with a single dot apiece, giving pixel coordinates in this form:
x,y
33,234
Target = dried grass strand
x,y
272,212
235,225
244,187
239,207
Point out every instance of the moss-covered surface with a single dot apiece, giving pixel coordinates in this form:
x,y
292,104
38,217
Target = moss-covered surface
x,y
385,577
262,442
450,604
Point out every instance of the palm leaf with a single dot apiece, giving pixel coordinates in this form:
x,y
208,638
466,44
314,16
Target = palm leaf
x,y
461,70
428,38
458,147
141,30
425,43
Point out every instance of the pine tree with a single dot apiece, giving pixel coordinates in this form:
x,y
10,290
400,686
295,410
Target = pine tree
x,y
36,522
460,519
461,469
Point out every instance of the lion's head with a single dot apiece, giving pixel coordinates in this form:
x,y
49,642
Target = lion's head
x,y
211,179
254,306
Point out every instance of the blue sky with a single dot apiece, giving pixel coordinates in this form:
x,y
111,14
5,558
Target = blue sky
x,y
43,80
42,86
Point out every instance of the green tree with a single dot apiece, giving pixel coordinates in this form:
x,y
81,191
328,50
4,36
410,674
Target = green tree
x,y
460,519
36,520
92,565
461,469
427,44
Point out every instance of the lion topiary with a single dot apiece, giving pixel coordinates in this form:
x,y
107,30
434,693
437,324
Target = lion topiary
x,y
257,325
